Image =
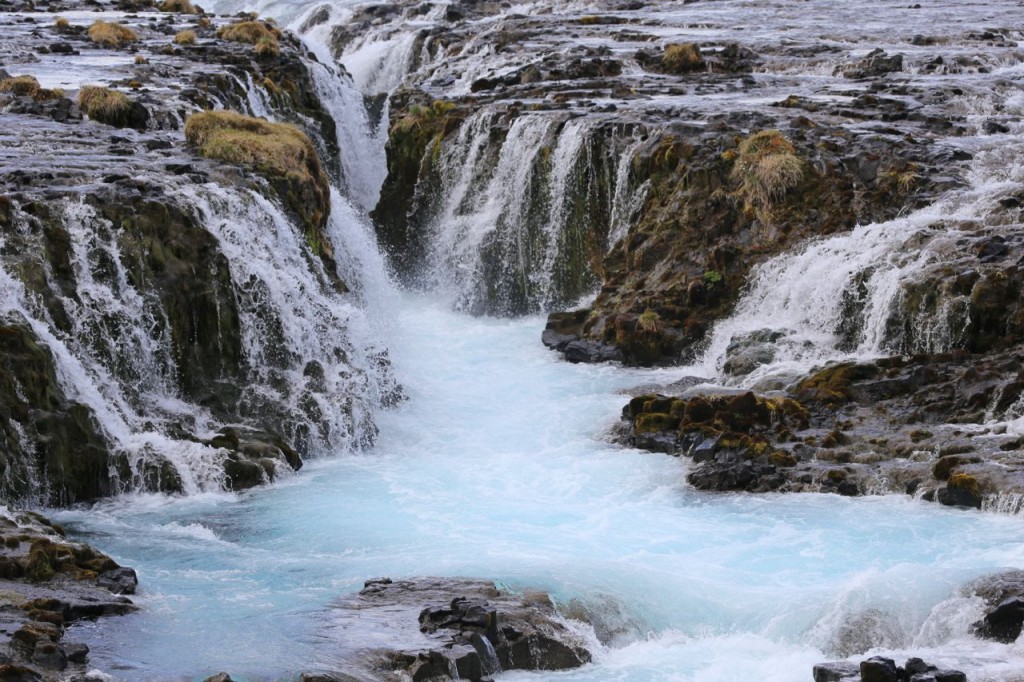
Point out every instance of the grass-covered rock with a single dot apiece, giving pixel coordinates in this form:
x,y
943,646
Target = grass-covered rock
x,y
28,86
112,34
263,36
111,107
281,153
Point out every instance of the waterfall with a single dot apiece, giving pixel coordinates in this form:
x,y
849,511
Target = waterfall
x,y
116,360
294,326
515,220
360,142
856,295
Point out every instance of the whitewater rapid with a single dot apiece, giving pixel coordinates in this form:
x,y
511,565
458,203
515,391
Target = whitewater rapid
x,y
497,467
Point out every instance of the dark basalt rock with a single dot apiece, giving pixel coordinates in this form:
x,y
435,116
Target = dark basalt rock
x,y
454,628
834,430
47,583
836,672
1004,598
876,63
880,669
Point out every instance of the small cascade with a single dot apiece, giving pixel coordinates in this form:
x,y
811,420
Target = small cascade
x,y
882,289
360,142
519,219
303,365
628,199
115,359
311,365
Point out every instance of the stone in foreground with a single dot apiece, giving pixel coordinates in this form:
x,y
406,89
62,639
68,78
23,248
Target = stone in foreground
x,y
449,628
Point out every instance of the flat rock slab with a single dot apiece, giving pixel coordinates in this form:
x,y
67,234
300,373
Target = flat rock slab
x,y
440,628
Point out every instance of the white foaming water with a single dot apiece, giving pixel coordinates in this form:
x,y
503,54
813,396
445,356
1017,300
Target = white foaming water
x,y
496,468
361,144
295,326
495,212
109,363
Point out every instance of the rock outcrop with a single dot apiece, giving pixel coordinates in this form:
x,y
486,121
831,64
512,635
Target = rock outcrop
x,y
892,425
880,669
47,583
449,628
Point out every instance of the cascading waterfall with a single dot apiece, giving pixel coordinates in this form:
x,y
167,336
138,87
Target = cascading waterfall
x,y
494,216
846,296
361,143
627,200
130,393
497,465
294,327
521,217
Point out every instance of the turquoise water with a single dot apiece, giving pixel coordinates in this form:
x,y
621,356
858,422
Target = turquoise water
x,y
498,467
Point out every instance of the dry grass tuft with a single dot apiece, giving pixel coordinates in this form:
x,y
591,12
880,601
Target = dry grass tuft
x,y
264,36
179,6
274,148
112,34
61,24
187,37
682,58
278,151
104,105
766,167
139,59
28,86
267,47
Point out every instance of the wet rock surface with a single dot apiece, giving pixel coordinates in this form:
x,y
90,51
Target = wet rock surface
x,y
1003,594
881,669
449,628
48,583
904,425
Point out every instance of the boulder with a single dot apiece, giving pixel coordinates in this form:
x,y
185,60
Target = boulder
x,y
453,628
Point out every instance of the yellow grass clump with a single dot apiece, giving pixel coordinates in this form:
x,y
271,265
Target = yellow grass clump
x,y
275,148
185,38
278,151
28,86
766,168
104,105
179,6
111,34
682,58
265,37
61,24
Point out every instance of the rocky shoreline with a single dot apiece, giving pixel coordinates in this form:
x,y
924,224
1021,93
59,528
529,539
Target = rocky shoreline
x,y
49,583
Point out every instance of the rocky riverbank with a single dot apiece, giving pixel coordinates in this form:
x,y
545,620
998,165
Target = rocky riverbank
x,y
903,425
47,583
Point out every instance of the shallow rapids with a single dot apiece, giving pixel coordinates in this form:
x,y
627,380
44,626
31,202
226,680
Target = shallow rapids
x,y
496,467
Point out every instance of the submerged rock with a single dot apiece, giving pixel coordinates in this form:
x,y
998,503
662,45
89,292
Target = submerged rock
x,y
450,628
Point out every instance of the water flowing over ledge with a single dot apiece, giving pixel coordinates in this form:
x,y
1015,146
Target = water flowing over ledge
x,y
498,464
